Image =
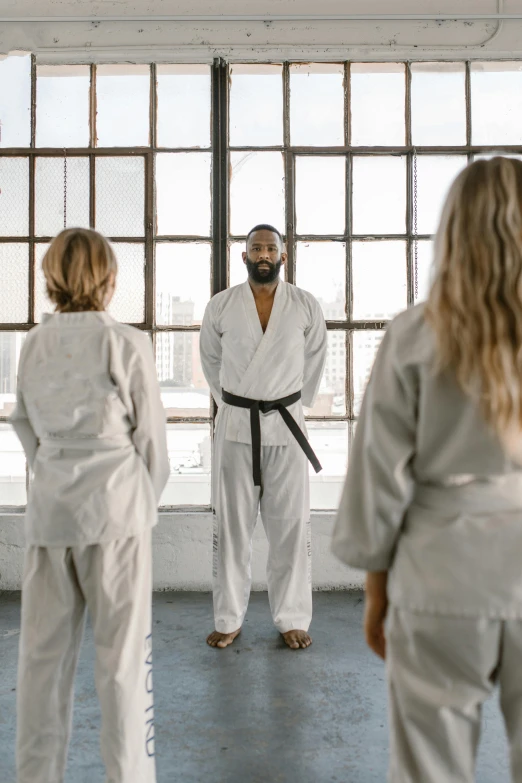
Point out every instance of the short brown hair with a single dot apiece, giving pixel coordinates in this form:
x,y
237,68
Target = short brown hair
x,y
77,268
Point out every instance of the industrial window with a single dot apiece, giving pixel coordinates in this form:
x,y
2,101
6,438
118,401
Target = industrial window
x,y
175,163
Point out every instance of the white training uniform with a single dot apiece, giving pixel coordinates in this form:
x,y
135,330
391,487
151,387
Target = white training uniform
x,y
236,356
432,497
90,418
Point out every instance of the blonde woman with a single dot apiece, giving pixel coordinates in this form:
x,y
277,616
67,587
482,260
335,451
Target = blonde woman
x,y
432,505
90,418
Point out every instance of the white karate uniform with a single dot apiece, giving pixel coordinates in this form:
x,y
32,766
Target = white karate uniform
x,y
236,356
90,418
432,497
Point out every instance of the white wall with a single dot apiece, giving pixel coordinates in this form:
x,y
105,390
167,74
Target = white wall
x,y
183,554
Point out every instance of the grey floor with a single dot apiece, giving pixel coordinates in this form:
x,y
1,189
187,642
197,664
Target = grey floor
x,y
254,713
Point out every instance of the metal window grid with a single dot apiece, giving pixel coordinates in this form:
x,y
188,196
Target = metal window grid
x,y
220,237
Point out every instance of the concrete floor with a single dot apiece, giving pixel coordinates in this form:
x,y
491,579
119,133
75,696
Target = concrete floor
x,y
254,713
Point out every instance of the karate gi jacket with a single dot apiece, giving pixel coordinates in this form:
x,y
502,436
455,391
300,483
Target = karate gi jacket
x,y
431,494
90,418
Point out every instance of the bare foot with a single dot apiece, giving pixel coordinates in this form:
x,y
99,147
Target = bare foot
x,y
297,639
222,640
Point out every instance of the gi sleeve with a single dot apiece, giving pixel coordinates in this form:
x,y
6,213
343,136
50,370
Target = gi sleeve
x,y
150,433
379,484
210,352
316,343
23,428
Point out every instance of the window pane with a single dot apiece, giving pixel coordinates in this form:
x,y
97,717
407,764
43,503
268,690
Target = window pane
x,y
379,195
14,291
329,440
15,101
256,105
190,450
128,304
120,196
377,94
424,268
379,279
184,390
183,109
10,347
331,398
257,191
237,270
49,196
183,193
14,197
42,303
438,103
62,106
496,102
122,105
435,174
182,283
365,345
321,269
12,468
317,104
320,194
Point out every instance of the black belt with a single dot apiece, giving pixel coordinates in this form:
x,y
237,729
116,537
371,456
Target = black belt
x,y
257,406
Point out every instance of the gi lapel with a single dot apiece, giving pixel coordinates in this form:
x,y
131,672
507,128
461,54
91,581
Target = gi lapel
x,y
265,340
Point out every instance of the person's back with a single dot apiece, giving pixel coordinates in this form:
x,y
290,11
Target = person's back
x,y
90,418
432,505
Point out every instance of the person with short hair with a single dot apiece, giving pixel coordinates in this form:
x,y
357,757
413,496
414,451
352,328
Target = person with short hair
x,y
432,505
89,416
263,351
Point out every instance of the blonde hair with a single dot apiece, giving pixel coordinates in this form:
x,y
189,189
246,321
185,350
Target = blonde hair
x,y
78,267
475,303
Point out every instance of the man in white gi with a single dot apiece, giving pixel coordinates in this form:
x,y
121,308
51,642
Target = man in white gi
x,y
263,351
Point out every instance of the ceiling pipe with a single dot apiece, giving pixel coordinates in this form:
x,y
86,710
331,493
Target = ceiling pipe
x,y
268,18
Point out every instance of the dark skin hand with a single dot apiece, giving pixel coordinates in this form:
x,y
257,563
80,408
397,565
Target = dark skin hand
x,y
375,610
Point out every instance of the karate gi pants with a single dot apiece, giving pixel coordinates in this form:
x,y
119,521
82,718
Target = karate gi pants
x,y
440,671
113,580
285,513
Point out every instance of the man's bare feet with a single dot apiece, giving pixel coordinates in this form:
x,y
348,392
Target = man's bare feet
x,y
222,640
297,640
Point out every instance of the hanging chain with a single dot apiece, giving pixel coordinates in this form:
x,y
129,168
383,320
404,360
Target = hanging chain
x,y
65,188
415,240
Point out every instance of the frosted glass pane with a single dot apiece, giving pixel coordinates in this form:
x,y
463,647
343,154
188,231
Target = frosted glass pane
x,y
14,291
320,195
182,282
14,197
120,196
183,108
377,97
184,390
49,201
257,191
317,104
62,106
438,103
42,303
321,269
122,104
435,174
329,440
379,195
128,304
365,346
190,450
425,268
15,101
331,398
183,191
256,105
379,280
496,103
